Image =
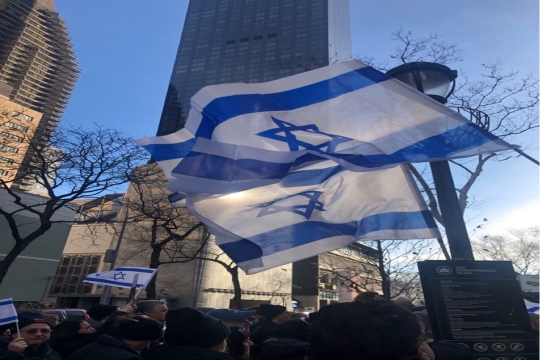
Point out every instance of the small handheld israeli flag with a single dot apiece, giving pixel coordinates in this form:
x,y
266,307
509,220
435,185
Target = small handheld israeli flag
x,y
8,314
122,277
532,307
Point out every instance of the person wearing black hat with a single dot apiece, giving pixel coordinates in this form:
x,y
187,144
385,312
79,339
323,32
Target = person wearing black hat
x,y
191,335
132,334
273,315
32,344
238,343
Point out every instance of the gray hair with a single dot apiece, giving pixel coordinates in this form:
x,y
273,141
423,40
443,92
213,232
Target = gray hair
x,y
146,306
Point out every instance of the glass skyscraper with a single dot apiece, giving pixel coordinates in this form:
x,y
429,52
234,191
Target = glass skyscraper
x,y
227,41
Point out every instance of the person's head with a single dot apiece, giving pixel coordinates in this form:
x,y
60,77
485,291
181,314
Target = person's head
x,y
67,329
51,318
34,329
300,316
155,309
368,330
101,312
233,317
403,301
367,296
189,327
238,343
256,316
534,321
275,313
111,324
293,329
138,330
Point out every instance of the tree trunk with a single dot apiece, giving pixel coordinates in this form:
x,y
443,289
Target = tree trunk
x,y
154,264
237,289
385,281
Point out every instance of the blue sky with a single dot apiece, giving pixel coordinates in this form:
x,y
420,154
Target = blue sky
x,y
126,49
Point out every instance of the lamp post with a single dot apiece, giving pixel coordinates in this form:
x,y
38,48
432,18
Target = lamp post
x,y
438,82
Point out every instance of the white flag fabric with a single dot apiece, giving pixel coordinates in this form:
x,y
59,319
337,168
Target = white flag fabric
x,y
274,225
288,169
347,112
122,277
8,314
532,307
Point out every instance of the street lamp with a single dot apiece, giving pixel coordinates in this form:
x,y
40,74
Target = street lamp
x,y
438,82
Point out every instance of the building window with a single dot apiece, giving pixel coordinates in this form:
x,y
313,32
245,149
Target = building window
x,y
17,126
6,160
21,116
12,137
244,39
8,148
231,42
72,270
328,295
3,172
258,37
272,35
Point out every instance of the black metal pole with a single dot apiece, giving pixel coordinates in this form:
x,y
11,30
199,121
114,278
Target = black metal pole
x,y
456,231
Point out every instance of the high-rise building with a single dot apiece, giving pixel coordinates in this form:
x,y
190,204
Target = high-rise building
x,y
38,62
227,41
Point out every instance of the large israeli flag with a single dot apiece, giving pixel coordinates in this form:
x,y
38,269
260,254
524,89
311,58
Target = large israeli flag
x,y
348,112
285,170
319,209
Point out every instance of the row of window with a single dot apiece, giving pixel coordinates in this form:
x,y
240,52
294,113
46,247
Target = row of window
x,y
22,116
8,148
3,172
258,37
12,137
17,126
6,160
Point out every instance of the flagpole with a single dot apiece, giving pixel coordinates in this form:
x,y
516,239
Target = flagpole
x,y
107,288
18,330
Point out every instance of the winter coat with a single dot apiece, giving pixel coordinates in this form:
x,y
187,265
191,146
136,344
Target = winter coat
x,y
174,352
261,334
43,352
106,348
73,343
284,349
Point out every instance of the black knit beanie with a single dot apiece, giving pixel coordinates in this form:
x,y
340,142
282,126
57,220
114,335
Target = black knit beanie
x,y
29,318
190,327
271,311
138,328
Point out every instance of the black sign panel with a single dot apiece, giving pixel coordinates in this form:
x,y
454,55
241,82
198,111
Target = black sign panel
x,y
478,304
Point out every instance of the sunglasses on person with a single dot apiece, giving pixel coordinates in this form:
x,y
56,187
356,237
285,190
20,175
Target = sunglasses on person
x,y
35,331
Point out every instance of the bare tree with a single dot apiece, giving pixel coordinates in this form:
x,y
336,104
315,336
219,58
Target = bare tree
x,y
157,230
390,267
521,246
70,163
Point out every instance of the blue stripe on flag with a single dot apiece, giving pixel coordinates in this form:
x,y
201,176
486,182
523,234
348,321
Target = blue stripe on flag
x,y
533,309
222,109
141,270
9,319
6,302
218,167
112,282
161,152
311,231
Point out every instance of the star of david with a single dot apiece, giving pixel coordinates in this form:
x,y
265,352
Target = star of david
x,y
303,210
118,276
294,144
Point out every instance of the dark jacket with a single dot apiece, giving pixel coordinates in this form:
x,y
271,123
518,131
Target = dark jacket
x,y
284,349
261,334
106,348
73,343
44,352
173,352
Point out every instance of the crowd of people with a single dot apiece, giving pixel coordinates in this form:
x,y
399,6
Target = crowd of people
x,y
367,329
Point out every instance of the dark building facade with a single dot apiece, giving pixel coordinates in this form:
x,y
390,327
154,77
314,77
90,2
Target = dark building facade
x,y
249,41
37,60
